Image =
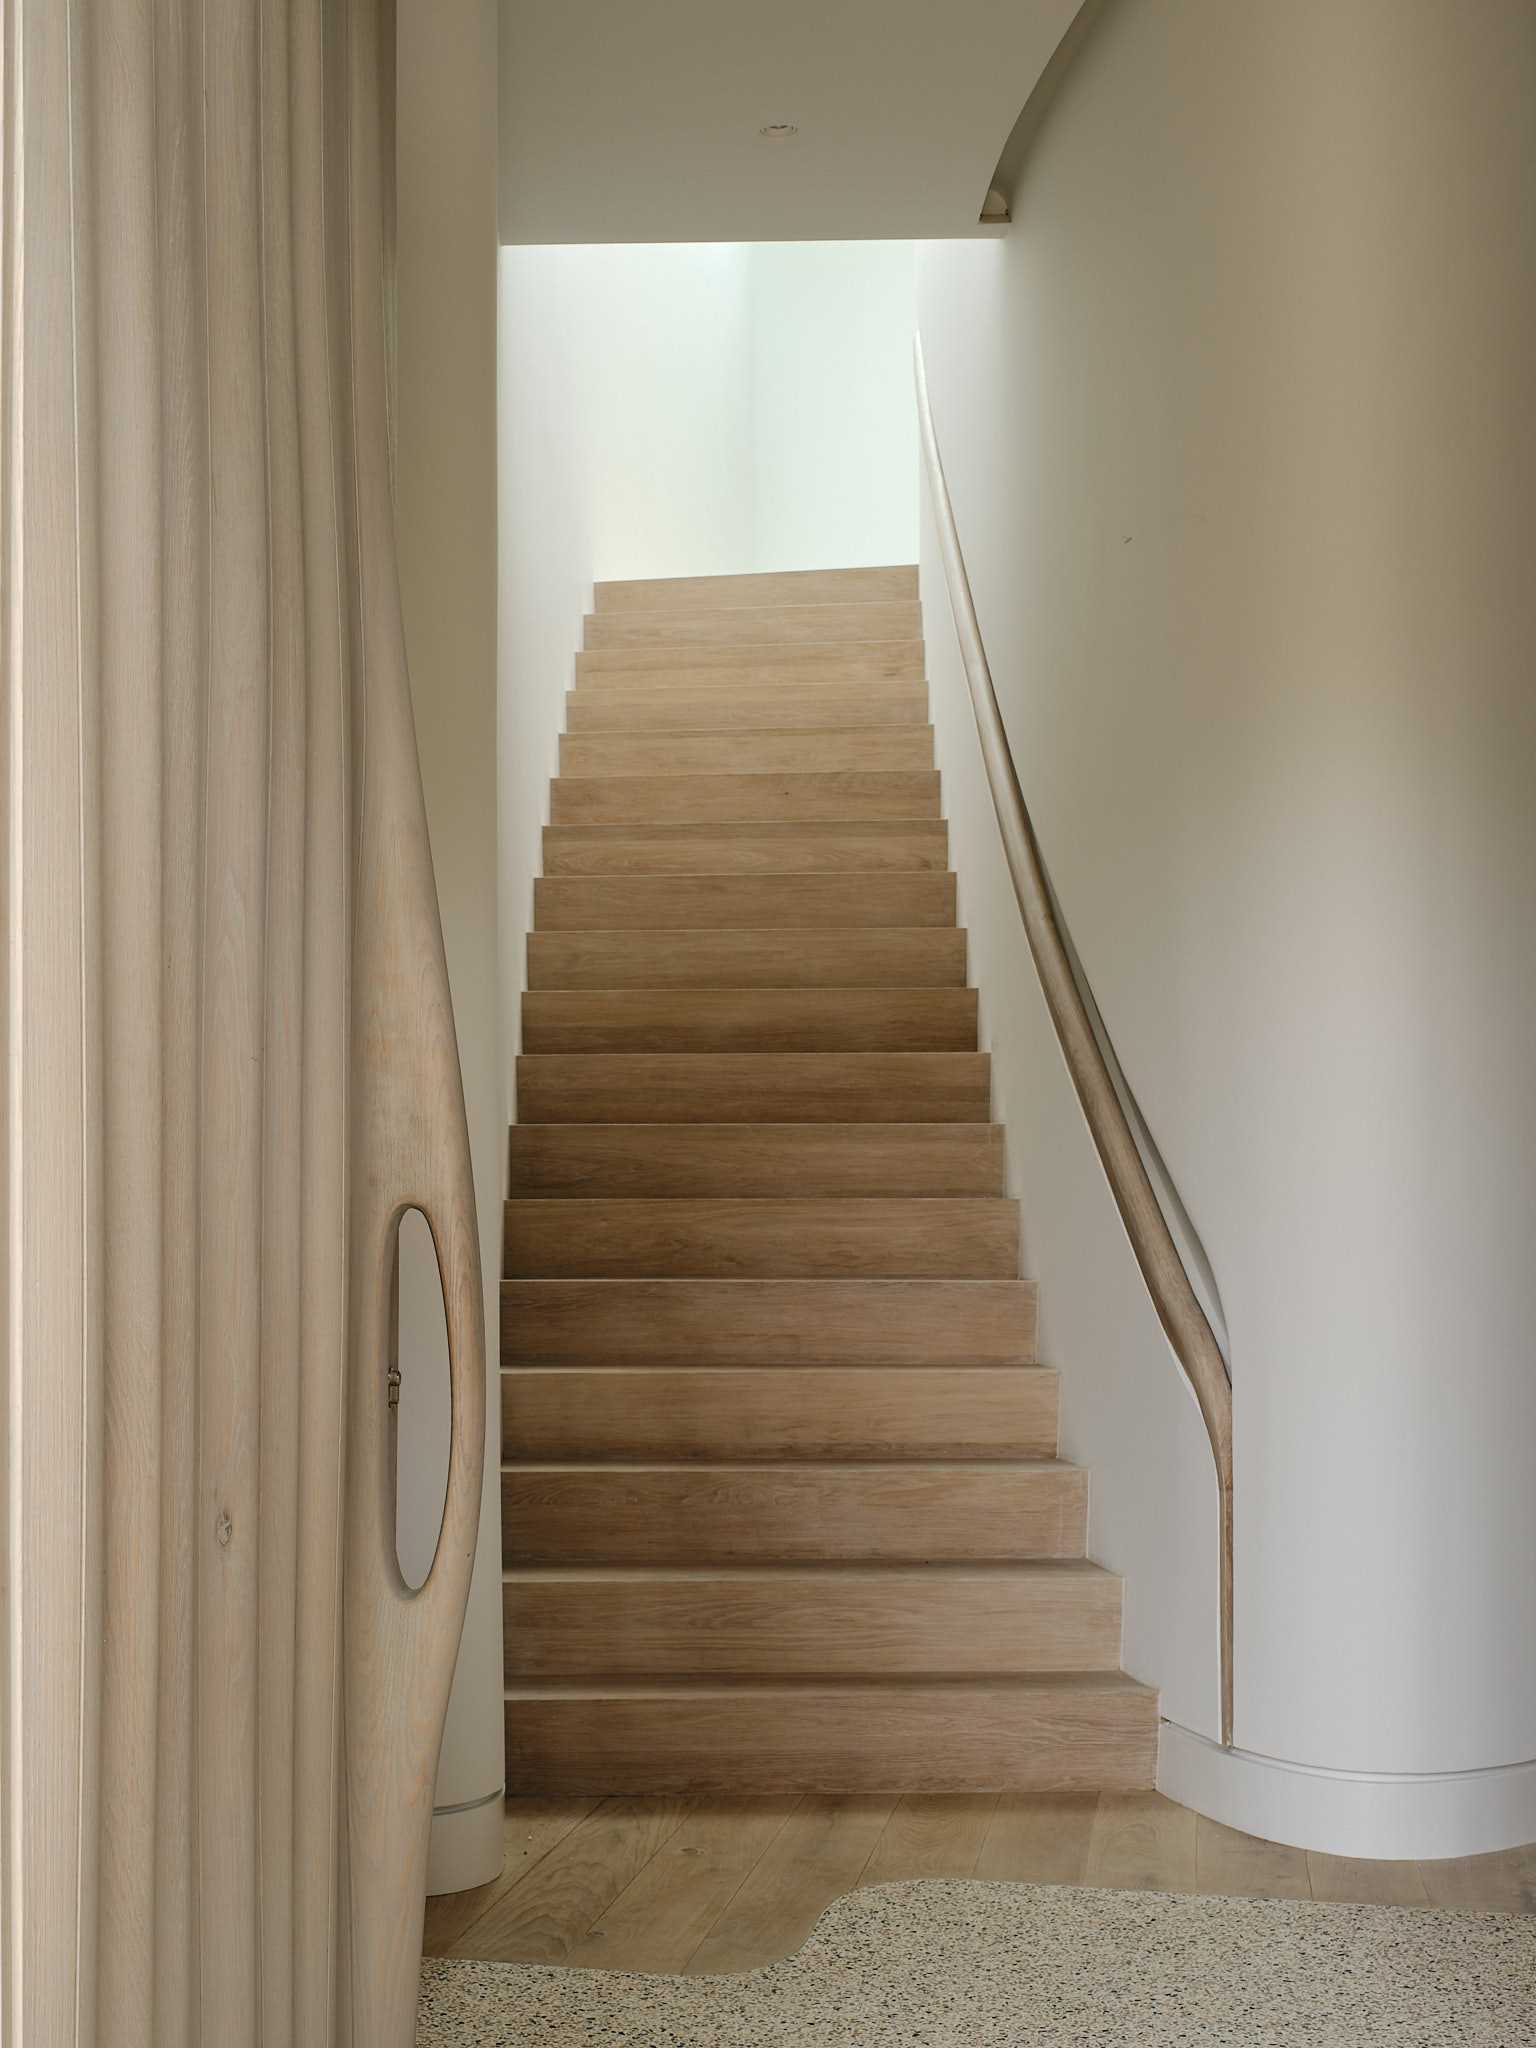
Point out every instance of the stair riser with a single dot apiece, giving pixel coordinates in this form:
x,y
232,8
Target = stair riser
x,y
876,751
759,588
746,849
737,799
837,664
659,1160
815,1624
750,1514
726,710
761,1020
909,1739
767,1322
743,902
586,1239
817,625
778,1088
932,956
779,1412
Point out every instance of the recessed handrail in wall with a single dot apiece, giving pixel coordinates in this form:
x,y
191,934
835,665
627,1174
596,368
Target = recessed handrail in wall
x,y
1184,1321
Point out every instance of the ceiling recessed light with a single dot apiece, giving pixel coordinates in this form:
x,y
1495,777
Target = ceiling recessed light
x,y
779,131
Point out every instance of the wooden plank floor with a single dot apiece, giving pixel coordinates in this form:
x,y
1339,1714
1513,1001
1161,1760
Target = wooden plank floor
x,y
700,1885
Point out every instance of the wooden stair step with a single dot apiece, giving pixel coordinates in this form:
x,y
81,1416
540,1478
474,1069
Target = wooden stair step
x,y
768,1322
741,902
1067,1732
684,709
814,625
657,1414
875,750
810,1621
831,848
750,1020
879,956
733,799
835,662
756,1159
582,1238
695,1513
886,585
753,1087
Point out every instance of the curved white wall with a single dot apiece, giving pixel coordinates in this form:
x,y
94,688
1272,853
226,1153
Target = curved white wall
x,y
1240,436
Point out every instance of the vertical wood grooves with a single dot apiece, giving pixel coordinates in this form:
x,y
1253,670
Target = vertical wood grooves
x,y
1173,1297
230,1058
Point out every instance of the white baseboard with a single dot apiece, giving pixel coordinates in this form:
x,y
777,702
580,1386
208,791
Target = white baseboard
x,y
1350,1813
466,1847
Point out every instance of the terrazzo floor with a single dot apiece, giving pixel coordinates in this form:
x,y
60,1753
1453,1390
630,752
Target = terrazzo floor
x,y
936,1964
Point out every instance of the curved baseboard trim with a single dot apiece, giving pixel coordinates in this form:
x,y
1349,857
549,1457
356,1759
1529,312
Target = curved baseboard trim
x,y
466,1847
1350,1813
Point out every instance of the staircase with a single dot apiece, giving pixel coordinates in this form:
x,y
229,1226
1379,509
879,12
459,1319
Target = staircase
x,y
781,1505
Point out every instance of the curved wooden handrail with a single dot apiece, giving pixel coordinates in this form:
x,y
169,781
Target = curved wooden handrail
x,y
1178,1309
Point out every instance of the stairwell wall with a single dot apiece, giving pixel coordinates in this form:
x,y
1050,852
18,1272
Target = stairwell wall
x,y
1239,436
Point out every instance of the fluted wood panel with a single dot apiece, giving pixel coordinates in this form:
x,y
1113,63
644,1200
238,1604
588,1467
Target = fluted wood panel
x,y
229,1046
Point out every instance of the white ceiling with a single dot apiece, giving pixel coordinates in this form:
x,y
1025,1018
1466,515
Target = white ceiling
x,y
637,120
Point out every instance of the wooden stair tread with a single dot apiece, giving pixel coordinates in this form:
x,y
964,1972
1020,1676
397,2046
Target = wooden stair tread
x,y
754,625
698,798
768,1322
742,902
771,1687
644,1159
752,1087
945,1571
887,659
821,750
683,709
750,1020
773,1414
879,956
887,583
763,1236
835,846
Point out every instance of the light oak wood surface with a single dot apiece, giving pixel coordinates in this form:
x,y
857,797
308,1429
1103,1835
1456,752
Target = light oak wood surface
x,y
739,1513
757,1159
768,1322
875,750
826,1846
781,1511
818,1237
761,626
653,1414
895,585
753,1087
828,848
230,1053
837,663
750,1020
680,708
824,1620
697,799
1082,1730
656,903
931,956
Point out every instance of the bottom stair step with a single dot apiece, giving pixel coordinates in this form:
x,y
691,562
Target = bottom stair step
x,y
1071,1732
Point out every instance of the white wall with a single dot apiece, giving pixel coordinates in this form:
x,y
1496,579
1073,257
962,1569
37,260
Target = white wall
x,y
834,433
1238,426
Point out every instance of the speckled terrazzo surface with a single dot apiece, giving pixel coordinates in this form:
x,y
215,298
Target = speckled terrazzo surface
x,y
964,1965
